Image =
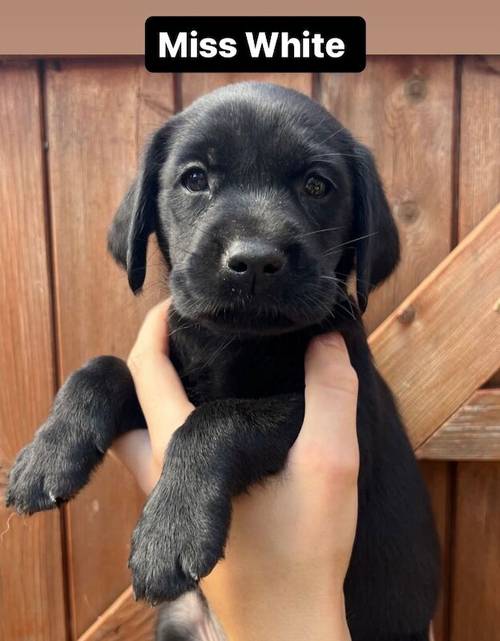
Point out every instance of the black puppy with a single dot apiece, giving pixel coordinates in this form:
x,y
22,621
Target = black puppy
x,y
262,204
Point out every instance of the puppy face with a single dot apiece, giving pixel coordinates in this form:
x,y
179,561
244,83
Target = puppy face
x,y
262,204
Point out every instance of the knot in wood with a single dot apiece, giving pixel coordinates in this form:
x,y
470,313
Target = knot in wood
x,y
408,211
407,315
416,89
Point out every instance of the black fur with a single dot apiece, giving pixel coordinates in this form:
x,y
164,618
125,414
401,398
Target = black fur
x,y
238,342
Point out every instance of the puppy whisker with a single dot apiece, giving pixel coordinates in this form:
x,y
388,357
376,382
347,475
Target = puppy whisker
x,y
334,278
348,243
182,328
218,352
319,231
335,133
349,302
362,280
346,310
187,251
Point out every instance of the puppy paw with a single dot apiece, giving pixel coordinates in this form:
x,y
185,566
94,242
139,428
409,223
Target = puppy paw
x,y
177,541
48,472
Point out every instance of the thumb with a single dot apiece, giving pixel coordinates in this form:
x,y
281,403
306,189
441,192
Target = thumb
x,y
330,398
162,397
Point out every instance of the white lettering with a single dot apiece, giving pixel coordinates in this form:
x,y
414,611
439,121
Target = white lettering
x,y
285,45
173,49
261,43
317,40
208,48
194,44
228,48
305,46
335,47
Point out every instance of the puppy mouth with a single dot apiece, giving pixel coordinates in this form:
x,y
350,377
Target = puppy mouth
x,y
250,318
280,311
263,321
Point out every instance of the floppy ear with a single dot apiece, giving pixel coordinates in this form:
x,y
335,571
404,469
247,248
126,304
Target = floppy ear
x,y
376,234
136,217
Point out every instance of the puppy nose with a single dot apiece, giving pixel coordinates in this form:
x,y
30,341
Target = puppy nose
x,y
254,260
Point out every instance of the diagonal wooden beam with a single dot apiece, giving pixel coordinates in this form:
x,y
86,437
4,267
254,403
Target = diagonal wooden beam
x,y
125,620
471,434
443,342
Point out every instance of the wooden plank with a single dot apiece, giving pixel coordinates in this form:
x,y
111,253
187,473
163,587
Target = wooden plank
x,y
476,553
125,620
443,342
438,479
402,107
31,577
476,606
472,433
99,113
198,84
479,187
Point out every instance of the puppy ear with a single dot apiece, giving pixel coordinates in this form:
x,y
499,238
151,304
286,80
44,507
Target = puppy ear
x,y
136,217
377,241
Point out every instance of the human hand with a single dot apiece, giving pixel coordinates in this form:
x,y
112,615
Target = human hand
x,y
291,538
162,398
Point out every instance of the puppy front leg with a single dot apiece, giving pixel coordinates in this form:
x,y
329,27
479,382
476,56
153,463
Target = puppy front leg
x,y
222,448
97,403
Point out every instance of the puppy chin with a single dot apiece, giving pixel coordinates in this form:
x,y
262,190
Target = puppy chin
x,y
251,326
251,319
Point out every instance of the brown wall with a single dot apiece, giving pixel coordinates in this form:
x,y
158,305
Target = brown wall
x,y
70,135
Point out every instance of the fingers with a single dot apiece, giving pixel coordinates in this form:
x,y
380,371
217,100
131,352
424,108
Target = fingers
x,y
328,438
159,388
153,333
133,449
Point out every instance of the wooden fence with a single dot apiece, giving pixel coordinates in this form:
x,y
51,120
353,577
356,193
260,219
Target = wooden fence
x,y
70,135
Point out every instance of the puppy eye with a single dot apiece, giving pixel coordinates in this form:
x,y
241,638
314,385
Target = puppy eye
x,y
316,186
195,179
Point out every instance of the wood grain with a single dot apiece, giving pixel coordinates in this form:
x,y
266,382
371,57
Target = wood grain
x,y
479,186
479,182
194,85
437,477
452,344
471,434
125,620
476,552
476,562
99,113
402,108
31,579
